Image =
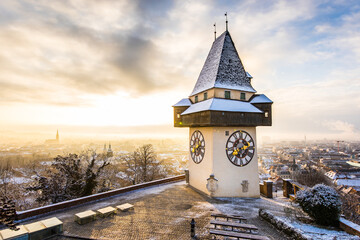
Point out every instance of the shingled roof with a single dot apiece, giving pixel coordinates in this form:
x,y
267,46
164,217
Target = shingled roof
x,y
223,68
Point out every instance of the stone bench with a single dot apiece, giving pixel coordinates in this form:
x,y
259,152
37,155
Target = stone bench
x,y
44,228
36,230
53,225
106,212
237,235
85,217
21,234
245,227
228,217
125,207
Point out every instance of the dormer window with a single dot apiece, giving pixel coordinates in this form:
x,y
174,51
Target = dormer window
x,y
242,96
196,99
227,94
205,95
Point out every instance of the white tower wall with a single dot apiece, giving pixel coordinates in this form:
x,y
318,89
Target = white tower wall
x,y
230,177
199,173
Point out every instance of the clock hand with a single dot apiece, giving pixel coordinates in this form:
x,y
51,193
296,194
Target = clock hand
x,y
235,152
245,146
195,148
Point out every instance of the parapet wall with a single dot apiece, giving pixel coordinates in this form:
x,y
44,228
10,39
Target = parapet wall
x,y
95,197
349,227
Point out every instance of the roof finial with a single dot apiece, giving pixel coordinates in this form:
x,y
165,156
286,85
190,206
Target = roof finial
x,y
226,22
215,30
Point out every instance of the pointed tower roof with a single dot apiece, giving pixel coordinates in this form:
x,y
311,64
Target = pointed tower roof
x,y
223,68
109,150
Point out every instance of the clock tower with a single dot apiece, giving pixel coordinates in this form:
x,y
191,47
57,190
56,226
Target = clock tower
x,y
222,114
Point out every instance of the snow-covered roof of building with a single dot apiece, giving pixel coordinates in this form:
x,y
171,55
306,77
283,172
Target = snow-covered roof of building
x,y
260,99
183,103
223,68
220,104
348,182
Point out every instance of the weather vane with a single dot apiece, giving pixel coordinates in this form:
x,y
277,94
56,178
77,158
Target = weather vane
x,y
215,30
226,21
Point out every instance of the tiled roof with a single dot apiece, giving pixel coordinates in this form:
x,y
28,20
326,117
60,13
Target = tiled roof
x,y
223,68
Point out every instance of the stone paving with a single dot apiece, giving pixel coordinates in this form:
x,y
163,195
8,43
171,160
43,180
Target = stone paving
x,y
165,212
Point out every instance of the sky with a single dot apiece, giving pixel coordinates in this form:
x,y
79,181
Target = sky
x,y
95,64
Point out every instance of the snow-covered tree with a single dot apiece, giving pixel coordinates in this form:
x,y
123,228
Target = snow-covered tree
x,y
322,203
69,177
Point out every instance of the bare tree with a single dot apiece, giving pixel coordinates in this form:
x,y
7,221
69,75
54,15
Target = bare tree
x,y
311,177
142,165
149,164
6,173
131,168
350,206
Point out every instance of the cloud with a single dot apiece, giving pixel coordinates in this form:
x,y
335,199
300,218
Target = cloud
x,y
80,46
340,126
303,54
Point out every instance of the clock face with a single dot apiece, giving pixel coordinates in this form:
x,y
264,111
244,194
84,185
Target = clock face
x,y
197,146
240,148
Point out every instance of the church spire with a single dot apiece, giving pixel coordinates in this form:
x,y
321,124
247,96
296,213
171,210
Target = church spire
x,y
57,135
109,151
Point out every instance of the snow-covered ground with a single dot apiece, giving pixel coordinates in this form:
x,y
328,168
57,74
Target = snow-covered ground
x,y
317,232
311,231
17,180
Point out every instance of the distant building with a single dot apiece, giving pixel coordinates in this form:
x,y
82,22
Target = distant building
x,y
53,141
108,152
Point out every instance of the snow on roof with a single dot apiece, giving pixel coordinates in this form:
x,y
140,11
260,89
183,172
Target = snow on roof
x,y
223,68
352,163
260,99
331,174
183,103
220,104
334,175
348,182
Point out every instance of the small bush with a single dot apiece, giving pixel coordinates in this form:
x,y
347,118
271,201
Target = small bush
x,y
322,203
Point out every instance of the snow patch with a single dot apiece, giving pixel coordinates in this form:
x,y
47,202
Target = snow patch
x,y
219,104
